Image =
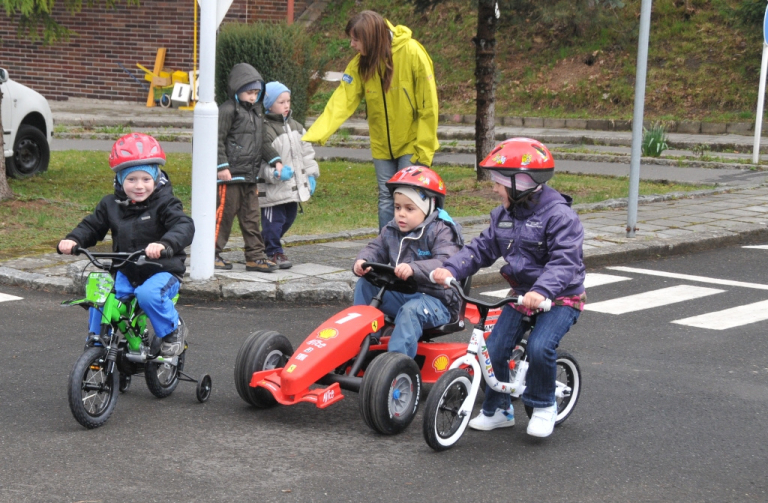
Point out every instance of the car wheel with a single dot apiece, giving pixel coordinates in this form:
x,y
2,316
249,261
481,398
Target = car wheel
x,y
31,153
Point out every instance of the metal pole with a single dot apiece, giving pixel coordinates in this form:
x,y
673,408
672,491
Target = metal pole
x,y
205,139
637,118
760,102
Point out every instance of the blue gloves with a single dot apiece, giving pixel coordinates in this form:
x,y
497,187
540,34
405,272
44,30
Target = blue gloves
x,y
312,185
285,174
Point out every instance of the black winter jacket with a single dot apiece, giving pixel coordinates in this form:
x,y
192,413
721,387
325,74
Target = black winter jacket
x,y
241,129
159,219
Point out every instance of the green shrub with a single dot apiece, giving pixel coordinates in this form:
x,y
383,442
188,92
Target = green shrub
x,y
278,51
750,12
654,141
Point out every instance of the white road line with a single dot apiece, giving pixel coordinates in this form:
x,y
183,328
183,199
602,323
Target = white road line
x,y
688,277
757,247
729,318
648,300
593,279
497,293
4,297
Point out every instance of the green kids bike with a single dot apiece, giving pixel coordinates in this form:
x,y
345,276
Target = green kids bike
x,y
121,349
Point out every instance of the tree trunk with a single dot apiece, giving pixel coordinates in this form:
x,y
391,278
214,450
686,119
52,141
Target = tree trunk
x,y
485,74
5,190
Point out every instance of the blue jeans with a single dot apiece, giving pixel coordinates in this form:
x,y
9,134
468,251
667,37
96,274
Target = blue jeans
x,y
275,222
386,169
155,297
542,357
412,313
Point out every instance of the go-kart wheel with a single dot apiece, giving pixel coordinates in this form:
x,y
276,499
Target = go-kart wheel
x,y
443,426
162,378
92,391
384,275
262,350
389,393
569,374
125,382
203,391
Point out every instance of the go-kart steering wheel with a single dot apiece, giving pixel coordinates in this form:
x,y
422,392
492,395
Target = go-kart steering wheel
x,y
384,275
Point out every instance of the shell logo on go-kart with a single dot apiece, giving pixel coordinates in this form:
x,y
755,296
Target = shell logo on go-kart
x,y
440,363
328,333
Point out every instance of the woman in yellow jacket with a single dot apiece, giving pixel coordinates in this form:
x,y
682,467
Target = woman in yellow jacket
x,y
395,75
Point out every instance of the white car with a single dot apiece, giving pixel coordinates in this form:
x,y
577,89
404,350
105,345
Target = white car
x,y
27,128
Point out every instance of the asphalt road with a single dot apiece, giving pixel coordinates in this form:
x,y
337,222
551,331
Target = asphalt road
x,y
669,411
647,172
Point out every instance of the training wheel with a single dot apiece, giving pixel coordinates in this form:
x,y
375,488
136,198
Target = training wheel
x,y
203,391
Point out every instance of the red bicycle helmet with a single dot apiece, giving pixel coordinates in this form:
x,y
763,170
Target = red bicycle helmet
x,y
419,177
135,149
521,155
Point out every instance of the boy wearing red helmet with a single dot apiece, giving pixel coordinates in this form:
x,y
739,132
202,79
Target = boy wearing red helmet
x,y
142,213
540,237
420,237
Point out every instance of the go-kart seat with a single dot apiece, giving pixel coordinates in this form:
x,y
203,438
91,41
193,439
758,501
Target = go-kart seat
x,y
456,325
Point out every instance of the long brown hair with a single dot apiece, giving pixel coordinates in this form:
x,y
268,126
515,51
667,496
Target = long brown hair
x,y
371,29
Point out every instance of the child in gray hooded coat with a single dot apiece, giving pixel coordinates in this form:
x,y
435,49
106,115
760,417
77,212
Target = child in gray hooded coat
x,y
281,196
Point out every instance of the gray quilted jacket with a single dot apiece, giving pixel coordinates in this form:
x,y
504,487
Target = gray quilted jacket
x,y
284,135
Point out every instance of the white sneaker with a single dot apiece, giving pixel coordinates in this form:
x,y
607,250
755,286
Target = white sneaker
x,y
500,419
542,421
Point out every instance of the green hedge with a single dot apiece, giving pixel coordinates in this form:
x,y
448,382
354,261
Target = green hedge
x,y
278,51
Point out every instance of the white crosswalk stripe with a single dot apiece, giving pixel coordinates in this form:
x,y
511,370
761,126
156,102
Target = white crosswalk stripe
x,y
4,297
757,247
591,280
729,318
648,300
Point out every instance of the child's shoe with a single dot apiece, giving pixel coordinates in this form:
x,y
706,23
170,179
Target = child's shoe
x,y
282,261
261,265
542,421
221,264
500,419
173,343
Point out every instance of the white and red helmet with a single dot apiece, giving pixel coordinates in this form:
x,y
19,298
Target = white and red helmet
x,y
520,164
420,177
135,149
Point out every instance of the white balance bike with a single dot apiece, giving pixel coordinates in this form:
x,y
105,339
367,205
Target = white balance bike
x,y
449,405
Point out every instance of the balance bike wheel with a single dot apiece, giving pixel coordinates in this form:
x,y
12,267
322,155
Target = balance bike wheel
x,y
443,426
92,392
262,350
389,393
568,373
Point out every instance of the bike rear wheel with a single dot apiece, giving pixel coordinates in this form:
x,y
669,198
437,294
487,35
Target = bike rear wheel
x,y
443,426
162,378
92,391
569,374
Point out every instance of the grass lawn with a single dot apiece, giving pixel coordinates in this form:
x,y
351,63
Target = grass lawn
x,y
47,207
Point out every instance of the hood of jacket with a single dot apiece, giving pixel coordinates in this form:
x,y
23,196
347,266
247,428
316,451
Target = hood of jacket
x,y
242,74
400,35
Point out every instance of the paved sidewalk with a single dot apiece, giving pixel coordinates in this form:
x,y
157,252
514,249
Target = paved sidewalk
x,y
322,270
667,225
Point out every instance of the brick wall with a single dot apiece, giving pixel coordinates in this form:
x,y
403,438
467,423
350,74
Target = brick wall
x,y
88,65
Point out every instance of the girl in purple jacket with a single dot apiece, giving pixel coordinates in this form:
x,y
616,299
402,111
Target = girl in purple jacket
x,y
540,237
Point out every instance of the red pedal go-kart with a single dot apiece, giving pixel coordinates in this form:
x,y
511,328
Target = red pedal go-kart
x,y
348,351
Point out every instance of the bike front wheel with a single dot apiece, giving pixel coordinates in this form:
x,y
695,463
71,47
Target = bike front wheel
x,y
443,425
92,390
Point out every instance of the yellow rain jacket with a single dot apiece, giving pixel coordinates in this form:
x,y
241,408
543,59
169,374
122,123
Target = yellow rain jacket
x,y
402,121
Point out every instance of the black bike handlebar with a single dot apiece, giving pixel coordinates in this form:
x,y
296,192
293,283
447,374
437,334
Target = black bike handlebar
x,y
138,257
546,305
